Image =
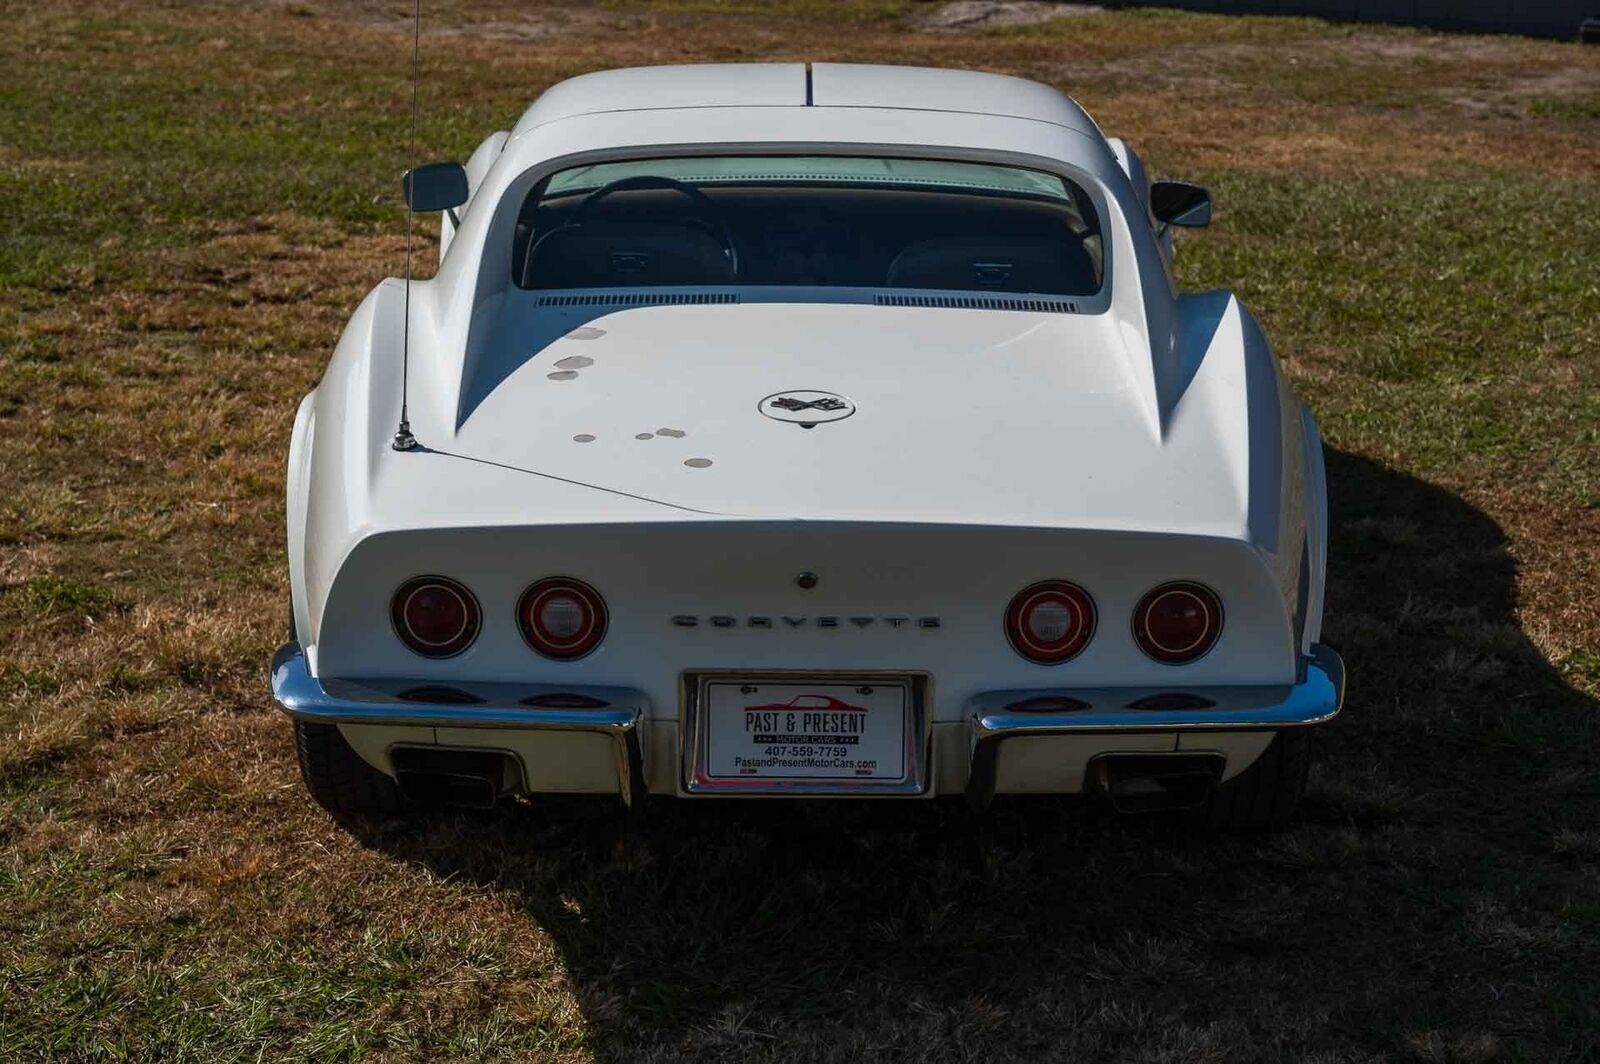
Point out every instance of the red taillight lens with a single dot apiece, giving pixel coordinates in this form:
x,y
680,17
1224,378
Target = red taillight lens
x,y
1177,622
435,616
1050,622
562,618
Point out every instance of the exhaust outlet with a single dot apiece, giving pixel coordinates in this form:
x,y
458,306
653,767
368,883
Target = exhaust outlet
x,y
1154,783
475,779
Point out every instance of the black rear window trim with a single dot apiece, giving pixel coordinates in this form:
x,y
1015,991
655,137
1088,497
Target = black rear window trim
x,y
1082,182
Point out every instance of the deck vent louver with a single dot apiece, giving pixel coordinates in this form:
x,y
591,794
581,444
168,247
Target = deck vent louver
x,y
1049,306
637,299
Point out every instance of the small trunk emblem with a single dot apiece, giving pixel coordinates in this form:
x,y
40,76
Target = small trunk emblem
x,y
806,408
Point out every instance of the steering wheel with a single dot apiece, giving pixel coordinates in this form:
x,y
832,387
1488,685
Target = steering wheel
x,y
714,222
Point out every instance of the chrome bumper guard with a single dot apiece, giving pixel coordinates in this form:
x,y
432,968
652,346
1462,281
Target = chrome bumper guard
x,y
997,716
616,712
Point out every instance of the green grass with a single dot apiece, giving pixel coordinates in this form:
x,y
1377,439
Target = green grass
x,y
1583,108
1460,312
53,595
199,193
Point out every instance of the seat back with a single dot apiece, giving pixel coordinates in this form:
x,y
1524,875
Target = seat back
x,y
1004,264
611,254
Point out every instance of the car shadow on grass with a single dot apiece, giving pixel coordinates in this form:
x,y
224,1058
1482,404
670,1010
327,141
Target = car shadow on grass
x,y
1429,901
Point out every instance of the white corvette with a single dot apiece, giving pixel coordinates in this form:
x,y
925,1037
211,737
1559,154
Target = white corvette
x,y
776,430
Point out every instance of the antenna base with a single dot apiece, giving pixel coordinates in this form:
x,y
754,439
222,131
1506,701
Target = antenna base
x,y
403,440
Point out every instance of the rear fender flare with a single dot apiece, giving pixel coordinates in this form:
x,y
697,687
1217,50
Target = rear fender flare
x,y
300,444
1316,510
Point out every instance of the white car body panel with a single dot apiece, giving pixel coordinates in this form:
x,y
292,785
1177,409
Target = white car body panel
x,y
1145,437
669,88
980,396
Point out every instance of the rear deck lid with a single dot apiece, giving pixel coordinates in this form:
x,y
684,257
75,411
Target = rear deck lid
x,y
915,414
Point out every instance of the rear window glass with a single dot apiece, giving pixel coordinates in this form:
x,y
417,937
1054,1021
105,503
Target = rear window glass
x,y
809,221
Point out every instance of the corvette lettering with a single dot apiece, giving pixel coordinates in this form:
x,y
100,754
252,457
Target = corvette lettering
x,y
690,620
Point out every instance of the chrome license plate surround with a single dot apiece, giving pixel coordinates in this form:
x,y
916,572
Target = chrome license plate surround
x,y
695,736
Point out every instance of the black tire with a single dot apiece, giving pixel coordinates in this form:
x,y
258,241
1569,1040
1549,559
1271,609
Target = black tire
x,y
338,778
1264,796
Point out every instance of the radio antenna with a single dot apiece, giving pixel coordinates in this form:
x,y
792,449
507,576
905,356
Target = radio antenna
x,y
403,440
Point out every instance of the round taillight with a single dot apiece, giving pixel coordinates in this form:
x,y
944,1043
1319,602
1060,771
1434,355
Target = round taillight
x,y
1177,622
562,618
1050,622
435,616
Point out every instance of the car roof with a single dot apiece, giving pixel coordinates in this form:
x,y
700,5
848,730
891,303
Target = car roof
x,y
821,85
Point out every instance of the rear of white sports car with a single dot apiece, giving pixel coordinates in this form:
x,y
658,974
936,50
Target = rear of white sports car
x,y
821,473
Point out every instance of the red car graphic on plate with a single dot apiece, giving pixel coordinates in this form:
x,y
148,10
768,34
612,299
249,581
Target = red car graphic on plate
x,y
808,702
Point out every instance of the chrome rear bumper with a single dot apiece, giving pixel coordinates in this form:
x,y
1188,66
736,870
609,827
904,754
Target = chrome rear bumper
x,y
617,712
993,717
1000,715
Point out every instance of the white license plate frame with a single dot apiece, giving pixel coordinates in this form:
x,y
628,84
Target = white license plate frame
x,y
707,768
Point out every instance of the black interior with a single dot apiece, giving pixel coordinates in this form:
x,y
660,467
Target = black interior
x,y
806,234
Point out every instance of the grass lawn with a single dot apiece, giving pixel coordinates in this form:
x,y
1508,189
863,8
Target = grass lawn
x,y
196,195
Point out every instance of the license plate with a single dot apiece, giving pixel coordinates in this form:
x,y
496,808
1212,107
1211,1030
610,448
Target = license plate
x,y
836,735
